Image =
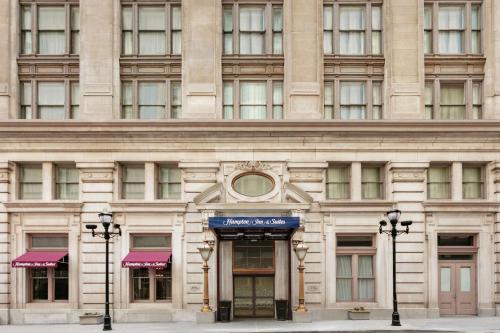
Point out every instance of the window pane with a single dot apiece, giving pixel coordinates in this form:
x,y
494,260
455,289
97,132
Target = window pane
x,y
427,17
338,182
450,42
277,30
176,18
439,183
151,100
344,278
328,100
163,241
376,42
252,30
61,282
451,18
51,24
176,103
371,183
355,241
51,100
445,279
26,100
176,30
133,185
455,240
26,46
253,100
127,37
163,284
228,100
352,100
170,183
366,281
352,43
277,93
152,43
328,18
51,18
75,100
228,19
40,284
140,278
472,182
151,18
376,18
152,30
126,18
452,101
465,279
352,18
43,241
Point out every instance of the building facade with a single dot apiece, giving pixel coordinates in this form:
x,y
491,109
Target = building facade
x,y
169,113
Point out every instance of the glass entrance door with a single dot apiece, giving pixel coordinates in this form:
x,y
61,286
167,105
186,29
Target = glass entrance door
x,y
253,296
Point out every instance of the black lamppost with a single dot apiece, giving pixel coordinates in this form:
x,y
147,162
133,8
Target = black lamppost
x,y
106,221
393,217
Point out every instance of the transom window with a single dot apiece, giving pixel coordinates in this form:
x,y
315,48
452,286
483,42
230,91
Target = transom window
x,y
255,100
452,28
30,182
67,182
151,99
253,184
338,182
453,100
151,29
353,100
250,29
355,276
50,29
248,255
51,100
439,182
348,31
151,241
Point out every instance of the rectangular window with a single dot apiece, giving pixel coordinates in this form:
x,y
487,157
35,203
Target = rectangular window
x,y
371,182
277,100
253,100
133,182
429,100
472,182
49,284
477,100
338,182
147,31
169,182
251,29
228,101
55,27
149,284
439,182
148,99
328,100
376,100
248,255
452,101
347,29
352,100
67,182
30,182
51,102
456,28
355,277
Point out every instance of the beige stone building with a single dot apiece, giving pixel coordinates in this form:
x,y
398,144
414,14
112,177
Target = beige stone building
x,y
170,113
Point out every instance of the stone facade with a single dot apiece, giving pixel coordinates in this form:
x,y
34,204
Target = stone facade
x,y
296,152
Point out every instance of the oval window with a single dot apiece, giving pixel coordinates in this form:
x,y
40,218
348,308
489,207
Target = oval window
x,y
253,184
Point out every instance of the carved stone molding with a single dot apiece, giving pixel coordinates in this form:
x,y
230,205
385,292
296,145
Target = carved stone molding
x,y
252,166
97,176
408,176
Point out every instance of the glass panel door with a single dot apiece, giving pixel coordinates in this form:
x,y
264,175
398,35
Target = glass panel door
x,y
243,296
254,296
264,296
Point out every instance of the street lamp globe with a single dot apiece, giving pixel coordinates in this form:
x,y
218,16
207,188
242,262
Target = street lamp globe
x,y
205,251
301,251
105,218
393,215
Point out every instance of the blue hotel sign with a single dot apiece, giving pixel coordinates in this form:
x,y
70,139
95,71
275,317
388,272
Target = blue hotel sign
x,y
288,222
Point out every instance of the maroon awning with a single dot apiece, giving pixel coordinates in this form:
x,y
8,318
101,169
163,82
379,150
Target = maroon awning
x,y
33,259
146,259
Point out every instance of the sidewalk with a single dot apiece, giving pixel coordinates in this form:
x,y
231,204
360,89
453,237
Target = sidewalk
x,y
451,324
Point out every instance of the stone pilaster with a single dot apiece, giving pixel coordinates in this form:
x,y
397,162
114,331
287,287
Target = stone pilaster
x,y
404,59
201,54
5,169
491,45
96,180
303,58
6,46
408,193
97,59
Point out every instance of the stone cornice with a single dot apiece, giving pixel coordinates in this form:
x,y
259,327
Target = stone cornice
x,y
43,207
381,206
461,206
127,206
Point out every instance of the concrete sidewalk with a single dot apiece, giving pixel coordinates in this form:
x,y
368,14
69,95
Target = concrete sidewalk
x,y
451,324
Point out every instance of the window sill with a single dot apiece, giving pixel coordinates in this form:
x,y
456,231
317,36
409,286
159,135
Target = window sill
x,y
148,206
479,205
43,206
355,206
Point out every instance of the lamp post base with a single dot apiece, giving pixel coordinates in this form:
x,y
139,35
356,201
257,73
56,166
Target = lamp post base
x,y
107,323
395,319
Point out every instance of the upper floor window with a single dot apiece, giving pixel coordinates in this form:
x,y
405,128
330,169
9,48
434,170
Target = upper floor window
x,y
30,182
151,99
452,28
371,182
47,99
439,182
253,29
67,182
257,100
338,182
151,29
352,29
50,29
169,182
353,99
133,181
472,182
453,99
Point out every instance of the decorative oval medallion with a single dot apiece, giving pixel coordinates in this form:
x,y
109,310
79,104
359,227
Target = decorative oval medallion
x,y
253,184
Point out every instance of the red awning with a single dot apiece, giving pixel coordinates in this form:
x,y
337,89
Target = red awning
x,y
148,259
35,259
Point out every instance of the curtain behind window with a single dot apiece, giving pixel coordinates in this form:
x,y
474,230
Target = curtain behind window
x,y
366,282
328,29
352,100
472,182
252,30
439,183
338,182
152,30
176,30
352,25
51,100
31,182
151,100
370,183
67,183
452,101
170,183
133,185
344,278
51,25
451,29
253,100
